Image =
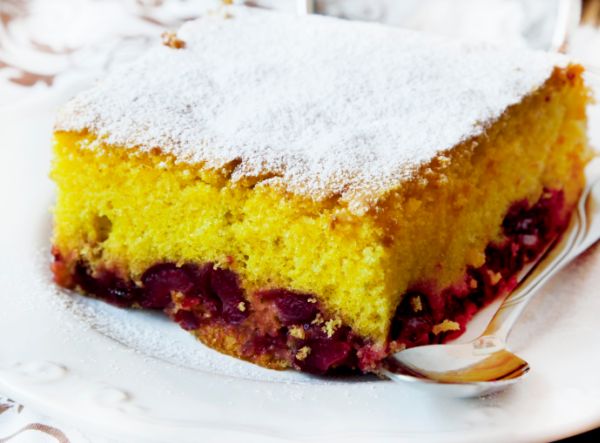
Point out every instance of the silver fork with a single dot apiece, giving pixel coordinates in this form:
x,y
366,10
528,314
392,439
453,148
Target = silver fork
x,y
485,365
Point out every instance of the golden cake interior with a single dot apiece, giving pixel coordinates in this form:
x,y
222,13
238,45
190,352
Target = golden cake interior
x,y
125,210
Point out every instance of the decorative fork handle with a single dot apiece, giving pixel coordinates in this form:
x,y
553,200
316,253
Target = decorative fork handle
x,y
583,231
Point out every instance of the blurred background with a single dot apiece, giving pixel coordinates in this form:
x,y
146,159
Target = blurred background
x,y
47,46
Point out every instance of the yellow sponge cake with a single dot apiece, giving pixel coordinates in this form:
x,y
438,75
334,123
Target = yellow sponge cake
x,y
313,193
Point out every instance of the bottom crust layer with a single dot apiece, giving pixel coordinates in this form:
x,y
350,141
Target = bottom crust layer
x,y
280,328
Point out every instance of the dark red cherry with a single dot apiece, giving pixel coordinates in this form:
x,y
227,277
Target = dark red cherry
x,y
160,281
293,308
324,355
224,283
187,320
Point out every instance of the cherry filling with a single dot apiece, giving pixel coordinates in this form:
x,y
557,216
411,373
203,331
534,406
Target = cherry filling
x,y
105,285
291,326
160,281
234,308
293,308
527,230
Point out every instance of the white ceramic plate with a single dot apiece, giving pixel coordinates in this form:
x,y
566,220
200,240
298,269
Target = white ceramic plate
x,y
136,376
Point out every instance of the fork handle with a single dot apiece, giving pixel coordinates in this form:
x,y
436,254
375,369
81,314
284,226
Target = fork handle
x,y
583,230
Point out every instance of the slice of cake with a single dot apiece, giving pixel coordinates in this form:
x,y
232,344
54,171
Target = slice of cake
x,y
314,193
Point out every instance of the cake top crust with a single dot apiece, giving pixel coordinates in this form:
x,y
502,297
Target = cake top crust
x,y
320,106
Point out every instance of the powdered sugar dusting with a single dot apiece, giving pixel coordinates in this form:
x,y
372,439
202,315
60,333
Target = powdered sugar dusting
x,y
322,106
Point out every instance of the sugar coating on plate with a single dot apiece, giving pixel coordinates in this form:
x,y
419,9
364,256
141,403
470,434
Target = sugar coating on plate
x,y
332,109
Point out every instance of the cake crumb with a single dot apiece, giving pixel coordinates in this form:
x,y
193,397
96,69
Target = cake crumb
x,y
473,284
297,332
495,277
177,296
171,40
241,306
445,326
318,319
229,342
312,300
416,304
331,326
396,347
302,353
